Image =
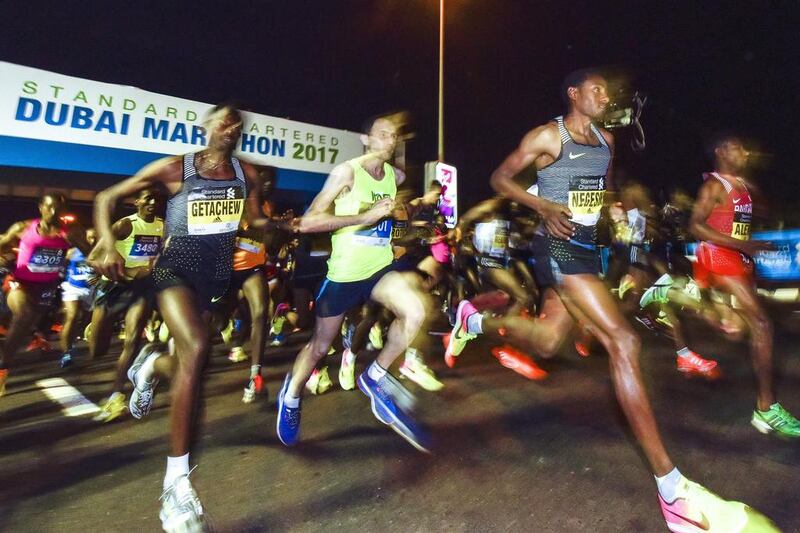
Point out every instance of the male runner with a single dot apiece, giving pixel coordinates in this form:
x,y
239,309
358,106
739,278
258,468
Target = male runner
x,y
573,160
138,241
77,295
361,194
208,192
43,244
721,220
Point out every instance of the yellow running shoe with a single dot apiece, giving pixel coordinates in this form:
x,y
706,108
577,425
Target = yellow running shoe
x,y
697,509
114,407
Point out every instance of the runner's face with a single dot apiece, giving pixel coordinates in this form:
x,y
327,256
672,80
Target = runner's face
x,y
146,203
734,155
382,139
225,128
591,98
50,208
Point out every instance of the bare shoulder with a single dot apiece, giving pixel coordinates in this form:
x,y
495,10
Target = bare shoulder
x,y
541,137
17,228
342,174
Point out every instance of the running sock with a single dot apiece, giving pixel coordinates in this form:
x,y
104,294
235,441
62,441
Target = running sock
x,y
115,395
291,403
475,323
176,467
254,371
684,352
375,371
349,357
668,485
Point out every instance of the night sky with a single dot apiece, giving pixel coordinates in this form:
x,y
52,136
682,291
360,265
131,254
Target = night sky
x,y
704,65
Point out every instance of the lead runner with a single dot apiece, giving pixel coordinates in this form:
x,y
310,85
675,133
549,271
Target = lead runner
x,y
573,159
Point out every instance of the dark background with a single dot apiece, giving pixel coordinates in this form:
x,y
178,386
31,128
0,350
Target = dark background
x,y
705,66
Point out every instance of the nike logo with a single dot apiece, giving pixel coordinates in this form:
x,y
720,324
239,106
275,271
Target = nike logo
x,y
700,522
215,299
576,156
737,200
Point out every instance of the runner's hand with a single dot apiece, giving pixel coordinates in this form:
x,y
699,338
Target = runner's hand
x,y
380,209
556,219
105,260
751,248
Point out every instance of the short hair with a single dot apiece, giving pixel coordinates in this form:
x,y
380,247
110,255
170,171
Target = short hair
x,y
575,79
720,138
366,126
55,196
232,106
435,184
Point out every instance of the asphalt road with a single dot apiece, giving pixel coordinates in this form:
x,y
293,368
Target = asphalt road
x,y
510,454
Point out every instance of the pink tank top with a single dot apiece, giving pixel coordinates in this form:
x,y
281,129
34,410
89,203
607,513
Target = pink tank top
x,y
40,259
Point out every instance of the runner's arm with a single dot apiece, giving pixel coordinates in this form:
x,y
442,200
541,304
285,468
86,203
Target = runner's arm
x,y
12,236
707,198
166,172
543,140
319,218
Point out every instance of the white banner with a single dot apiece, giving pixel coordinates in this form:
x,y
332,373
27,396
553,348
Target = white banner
x,y
42,105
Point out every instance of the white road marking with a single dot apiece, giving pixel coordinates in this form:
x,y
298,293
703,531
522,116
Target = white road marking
x,y
74,403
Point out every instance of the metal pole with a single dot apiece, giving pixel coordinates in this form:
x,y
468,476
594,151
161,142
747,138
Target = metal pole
x,y
441,80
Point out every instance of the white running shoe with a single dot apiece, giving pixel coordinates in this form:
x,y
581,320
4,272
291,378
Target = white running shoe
x,y
181,511
144,386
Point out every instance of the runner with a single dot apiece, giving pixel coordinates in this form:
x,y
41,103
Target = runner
x,y
573,160
138,241
77,295
721,220
361,194
208,192
43,244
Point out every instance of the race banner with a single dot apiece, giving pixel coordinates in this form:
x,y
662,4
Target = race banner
x,y
45,106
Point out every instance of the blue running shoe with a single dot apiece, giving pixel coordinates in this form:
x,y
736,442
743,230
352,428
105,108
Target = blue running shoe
x,y
288,418
66,360
387,411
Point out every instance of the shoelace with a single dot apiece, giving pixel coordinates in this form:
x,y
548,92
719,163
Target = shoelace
x,y
291,415
145,396
784,417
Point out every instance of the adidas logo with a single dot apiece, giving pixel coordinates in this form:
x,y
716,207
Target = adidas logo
x,y
217,219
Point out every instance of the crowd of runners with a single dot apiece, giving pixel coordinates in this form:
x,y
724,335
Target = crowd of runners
x,y
522,268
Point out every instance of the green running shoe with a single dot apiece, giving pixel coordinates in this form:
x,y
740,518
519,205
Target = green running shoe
x,y
459,336
658,292
777,419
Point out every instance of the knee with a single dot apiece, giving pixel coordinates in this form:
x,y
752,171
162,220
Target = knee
x,y
413,315
625,346
193,351
257,313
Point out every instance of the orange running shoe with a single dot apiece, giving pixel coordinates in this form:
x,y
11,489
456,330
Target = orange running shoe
x,y
3,379
518,362
694,365
449,359
39,343
3,331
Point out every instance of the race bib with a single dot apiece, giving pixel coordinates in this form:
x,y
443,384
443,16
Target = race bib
x,y
379,235
145,246
248,245
82,272
399,229
586,198
742,215
491,238
47,260
214,210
